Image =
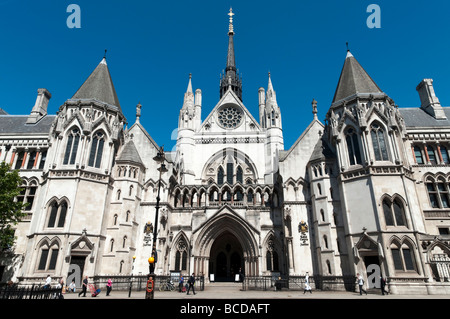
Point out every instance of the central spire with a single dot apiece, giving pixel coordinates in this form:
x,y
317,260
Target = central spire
x,y
231,79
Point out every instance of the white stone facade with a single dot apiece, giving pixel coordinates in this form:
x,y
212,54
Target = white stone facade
x,y
370,186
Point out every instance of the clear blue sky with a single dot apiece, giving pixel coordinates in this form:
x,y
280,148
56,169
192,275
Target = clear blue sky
x,y
154,45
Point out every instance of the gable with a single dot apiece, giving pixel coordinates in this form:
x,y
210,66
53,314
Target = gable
x,y
230,114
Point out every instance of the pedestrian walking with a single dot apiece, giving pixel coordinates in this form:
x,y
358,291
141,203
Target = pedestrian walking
x,y
108,286
383,285
181,284
84,287
48,282
241,275
360,280
60,285
191,283
307,285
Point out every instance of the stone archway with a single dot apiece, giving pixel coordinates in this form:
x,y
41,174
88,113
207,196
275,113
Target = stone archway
x,y
226,257
225,240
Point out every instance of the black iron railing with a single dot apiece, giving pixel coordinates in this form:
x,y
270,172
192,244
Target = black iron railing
x,y
27,292
337,283
139,282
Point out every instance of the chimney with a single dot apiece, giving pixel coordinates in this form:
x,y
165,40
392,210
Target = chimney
x,y
40,107
429,102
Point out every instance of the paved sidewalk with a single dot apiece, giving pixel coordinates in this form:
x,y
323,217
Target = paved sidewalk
x,y
224,291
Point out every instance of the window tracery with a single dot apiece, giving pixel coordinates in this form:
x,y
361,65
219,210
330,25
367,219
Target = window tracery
x,y
229,117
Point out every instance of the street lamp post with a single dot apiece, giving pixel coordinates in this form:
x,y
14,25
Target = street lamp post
x,y
159,158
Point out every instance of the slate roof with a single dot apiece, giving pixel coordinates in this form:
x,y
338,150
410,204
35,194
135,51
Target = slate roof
x,y
354,79
130,154
16,124
417,117
321,151
99,86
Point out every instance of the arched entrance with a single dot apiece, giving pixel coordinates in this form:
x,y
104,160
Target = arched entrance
x,y
226,257
223,244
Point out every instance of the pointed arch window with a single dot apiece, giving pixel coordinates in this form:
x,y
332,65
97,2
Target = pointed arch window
x,y
250,197
73,140
403,257
230,172
399,212
130,191
239,175
325,241
354,153
387,213
48,257
57,214
379,142
181,256
220,174
329,267
95,157
239,196
272,263
438,193
27,194
394,212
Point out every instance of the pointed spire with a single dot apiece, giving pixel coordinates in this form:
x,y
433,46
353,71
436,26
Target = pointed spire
x,y
270,91
231,63
189,89
270,116
99,86
353,80
189,95
271,98
231,79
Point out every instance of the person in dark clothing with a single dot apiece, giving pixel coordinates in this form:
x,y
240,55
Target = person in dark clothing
x,y
84,287
382,286
191,283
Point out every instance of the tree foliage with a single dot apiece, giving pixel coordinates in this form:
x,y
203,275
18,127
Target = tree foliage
x,y
10,210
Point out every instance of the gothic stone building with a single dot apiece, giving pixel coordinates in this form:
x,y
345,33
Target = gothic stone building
x,y
369,186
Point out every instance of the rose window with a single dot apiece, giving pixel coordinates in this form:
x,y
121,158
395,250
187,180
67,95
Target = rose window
x,y
229,117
